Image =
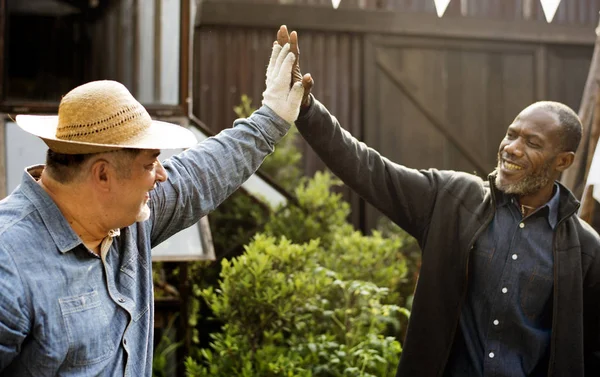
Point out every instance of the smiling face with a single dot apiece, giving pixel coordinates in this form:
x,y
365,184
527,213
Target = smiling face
x,y
528,157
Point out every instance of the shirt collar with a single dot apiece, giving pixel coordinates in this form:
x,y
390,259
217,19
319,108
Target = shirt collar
x,y
551,205
63,235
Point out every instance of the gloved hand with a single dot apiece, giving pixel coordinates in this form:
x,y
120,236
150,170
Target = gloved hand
x,y
278,96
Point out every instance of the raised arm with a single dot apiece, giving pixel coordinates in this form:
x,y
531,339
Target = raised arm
x,y
406,196
202,177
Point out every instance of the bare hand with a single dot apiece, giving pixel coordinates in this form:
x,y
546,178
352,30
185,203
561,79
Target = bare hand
x,y
307,82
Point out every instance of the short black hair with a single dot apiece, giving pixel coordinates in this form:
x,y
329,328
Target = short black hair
x,y
65,167
570,134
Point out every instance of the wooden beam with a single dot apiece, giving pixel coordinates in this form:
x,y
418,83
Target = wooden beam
x,y
251,14
184,60
157,50
3,52
574,177
135,27
3,184
586,212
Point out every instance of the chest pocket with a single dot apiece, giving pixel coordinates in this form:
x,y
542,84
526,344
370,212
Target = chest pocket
x,y
87,327
536,292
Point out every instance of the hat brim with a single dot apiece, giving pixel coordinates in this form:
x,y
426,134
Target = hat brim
x,y
160,135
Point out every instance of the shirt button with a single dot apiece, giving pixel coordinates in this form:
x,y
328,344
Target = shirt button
x,y
514,256
491,355
121,300
504,290
496,322
521,225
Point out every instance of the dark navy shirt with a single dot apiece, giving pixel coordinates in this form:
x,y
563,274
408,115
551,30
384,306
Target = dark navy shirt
x,y
505,322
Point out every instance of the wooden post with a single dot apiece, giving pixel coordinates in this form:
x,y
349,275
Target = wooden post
x,y
586,211
574,177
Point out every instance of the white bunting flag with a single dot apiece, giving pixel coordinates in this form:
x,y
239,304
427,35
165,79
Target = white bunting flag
x,y
550,7
440,6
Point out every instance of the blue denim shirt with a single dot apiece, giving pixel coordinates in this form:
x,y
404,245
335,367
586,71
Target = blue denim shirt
x,y
64,311
505,323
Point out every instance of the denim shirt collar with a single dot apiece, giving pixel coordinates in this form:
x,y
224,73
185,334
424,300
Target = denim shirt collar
x,y
551,205
56,224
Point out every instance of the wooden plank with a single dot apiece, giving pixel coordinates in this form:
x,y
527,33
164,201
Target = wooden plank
x,y
467,112
2,158
370,83
573,177
135,61
157,50
541,73
184,61
3,74
213,12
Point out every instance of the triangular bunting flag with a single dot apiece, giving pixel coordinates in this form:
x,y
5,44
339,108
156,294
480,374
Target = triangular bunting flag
x,y
441,5
550,7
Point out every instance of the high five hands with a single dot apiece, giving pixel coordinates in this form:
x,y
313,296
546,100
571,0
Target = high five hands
x,y
284,37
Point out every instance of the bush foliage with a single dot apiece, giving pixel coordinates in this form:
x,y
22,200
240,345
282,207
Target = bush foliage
x,y
285,315
307,295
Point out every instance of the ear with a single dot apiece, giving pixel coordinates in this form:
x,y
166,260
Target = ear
x,y
101,174
564,160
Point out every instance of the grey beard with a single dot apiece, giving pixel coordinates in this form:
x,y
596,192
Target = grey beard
x,y
528,185
144,214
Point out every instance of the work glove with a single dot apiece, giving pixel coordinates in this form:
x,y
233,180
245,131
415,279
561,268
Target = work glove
x,y
279,96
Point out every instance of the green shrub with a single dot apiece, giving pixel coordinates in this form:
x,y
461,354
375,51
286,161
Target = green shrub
x,y
373,258
287,316
320,214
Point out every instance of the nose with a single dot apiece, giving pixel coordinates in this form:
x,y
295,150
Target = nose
x,y
161,173
513,148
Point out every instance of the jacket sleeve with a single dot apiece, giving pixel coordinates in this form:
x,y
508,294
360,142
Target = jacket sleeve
x,y
591,315
407,196
14,319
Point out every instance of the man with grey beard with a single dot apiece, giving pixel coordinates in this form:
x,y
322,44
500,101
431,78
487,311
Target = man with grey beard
x,y
510,276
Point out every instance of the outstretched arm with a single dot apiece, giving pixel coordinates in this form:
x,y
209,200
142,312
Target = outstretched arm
x,y
406,196
202,177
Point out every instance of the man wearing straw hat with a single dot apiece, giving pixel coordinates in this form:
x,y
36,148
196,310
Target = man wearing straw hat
x,y
75,237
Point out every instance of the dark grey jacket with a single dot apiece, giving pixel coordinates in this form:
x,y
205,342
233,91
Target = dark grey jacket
x,y
446,211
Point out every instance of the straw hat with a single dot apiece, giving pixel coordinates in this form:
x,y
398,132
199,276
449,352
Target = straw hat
x,y
101,116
